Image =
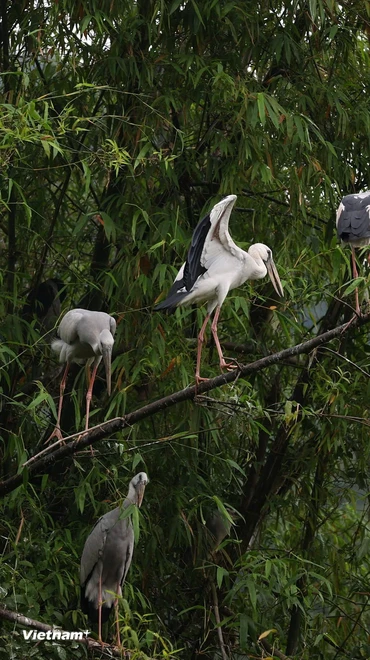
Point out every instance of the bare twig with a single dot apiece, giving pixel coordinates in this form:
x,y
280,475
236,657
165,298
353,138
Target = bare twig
x,y
19,529
273,651
341,648
218,621
343,357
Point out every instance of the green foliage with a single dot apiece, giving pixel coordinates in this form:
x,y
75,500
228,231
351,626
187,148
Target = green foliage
x,y
121,123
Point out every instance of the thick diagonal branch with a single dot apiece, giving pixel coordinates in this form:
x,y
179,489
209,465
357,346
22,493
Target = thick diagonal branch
x,y
108,651
80,441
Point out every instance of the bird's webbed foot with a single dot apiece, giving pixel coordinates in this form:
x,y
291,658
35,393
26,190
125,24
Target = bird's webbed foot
x,y
200,379
102,644
230,366
55,434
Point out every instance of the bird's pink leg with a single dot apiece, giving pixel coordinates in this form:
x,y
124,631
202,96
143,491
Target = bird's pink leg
x,y
223,364
118,636
354,266
355,275
99,613
57,432
89,395
198,377
88,373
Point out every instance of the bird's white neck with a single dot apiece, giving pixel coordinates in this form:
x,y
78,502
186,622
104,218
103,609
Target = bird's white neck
x,y
259,267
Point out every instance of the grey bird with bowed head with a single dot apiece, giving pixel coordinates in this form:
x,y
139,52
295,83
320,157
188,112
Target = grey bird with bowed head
x,y
106,558
86,338
353,226
215,265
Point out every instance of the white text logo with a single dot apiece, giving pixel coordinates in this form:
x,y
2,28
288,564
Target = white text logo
x,y
55,634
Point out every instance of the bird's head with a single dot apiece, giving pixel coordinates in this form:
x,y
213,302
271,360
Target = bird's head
x,y
137,488
105,347
259,251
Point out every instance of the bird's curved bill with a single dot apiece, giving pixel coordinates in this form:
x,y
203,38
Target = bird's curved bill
x,y
107,359
274,277
140,489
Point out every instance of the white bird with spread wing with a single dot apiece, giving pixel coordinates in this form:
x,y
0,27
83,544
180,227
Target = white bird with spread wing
x,y
214,266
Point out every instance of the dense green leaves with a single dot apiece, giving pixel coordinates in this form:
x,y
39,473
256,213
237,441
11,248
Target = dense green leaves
x,y
121,123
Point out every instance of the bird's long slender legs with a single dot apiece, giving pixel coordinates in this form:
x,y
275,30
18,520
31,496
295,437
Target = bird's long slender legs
x,y
355,276
223,364
118,636
57,432
198,377
99,613
89,395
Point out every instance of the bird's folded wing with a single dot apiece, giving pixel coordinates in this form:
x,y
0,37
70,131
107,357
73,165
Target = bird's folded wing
x,y
68,326
353,217
94,547
112,325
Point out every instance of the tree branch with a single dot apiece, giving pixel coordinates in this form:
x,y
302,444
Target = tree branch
x,y
107,650
84,439
272,651
218,621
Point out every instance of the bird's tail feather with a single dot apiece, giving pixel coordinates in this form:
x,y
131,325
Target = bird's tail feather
x,y
172,302
59,347
92,612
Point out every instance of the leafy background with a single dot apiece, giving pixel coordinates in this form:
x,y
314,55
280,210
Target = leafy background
x,y
121,123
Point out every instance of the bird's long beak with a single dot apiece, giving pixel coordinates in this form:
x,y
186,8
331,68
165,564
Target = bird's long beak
x,y
107,359
274,277
140,490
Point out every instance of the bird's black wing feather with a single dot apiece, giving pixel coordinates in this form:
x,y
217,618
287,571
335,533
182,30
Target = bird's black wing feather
x,y
176,293
193,267
92,612
354,219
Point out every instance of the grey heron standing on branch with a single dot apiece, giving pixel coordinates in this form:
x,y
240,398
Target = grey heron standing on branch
x,y
106,558
86,338
215,265
353,227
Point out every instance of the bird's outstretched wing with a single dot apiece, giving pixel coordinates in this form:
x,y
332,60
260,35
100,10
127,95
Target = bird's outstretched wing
x,y
190,270
219,238
193,266
353,218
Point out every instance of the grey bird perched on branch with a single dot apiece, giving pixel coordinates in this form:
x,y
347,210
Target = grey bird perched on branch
x,y
353,227
215,265
106,558
86,338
